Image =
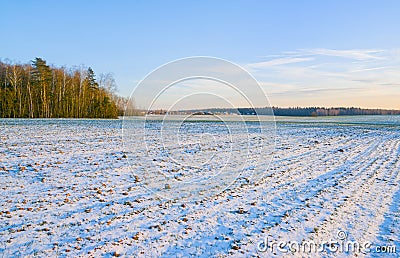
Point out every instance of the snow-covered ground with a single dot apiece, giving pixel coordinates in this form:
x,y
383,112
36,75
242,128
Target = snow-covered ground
x,y
69,188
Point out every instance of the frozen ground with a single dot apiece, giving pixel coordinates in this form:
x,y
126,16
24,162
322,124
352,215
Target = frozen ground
x,y
67,190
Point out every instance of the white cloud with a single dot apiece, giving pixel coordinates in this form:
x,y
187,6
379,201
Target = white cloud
x,y
279,61
363,77
357,54
369,69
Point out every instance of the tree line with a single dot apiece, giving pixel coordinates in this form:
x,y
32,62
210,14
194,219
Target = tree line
x,y
319,111
38,90
291,111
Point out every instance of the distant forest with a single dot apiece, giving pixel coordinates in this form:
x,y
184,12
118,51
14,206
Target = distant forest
x,y
38,90
321,111
293,111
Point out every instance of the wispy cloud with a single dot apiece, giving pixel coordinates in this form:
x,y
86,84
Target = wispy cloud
x,y
356,54
370,69
363,77
316,91
279,61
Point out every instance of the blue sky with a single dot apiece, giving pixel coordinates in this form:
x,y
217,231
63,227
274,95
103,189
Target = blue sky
x,y
330,53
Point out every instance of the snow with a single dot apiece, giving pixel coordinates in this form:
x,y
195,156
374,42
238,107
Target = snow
x,y
69,187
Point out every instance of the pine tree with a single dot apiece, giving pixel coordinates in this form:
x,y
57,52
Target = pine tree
x,y
41,78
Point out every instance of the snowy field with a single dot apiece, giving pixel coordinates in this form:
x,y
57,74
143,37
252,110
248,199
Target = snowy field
x,y
68,188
